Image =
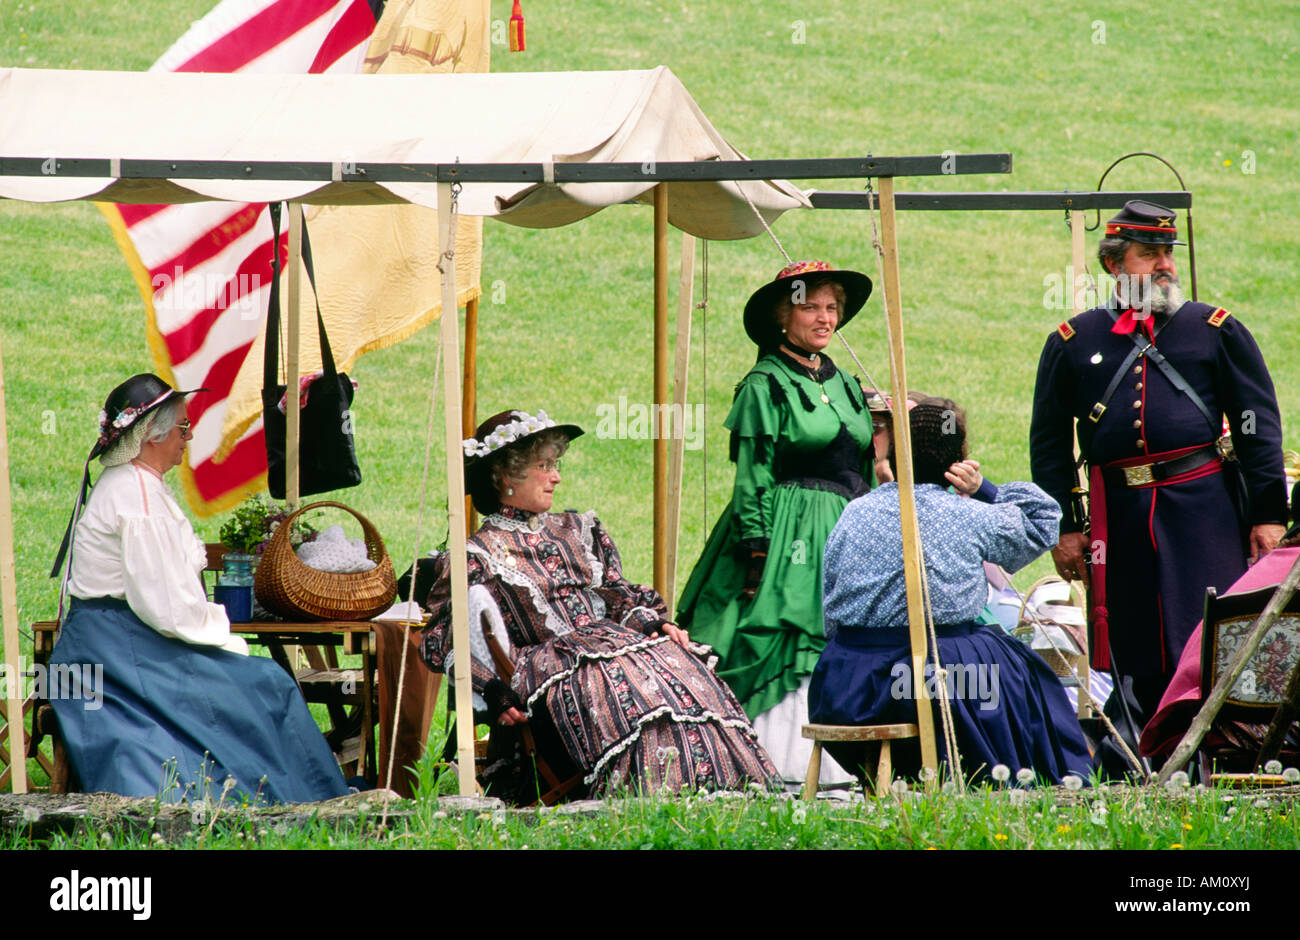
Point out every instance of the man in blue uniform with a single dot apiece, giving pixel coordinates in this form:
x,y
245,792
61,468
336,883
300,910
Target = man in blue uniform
x,y
1149,379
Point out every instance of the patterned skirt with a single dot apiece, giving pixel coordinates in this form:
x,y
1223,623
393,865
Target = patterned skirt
x,y
640,713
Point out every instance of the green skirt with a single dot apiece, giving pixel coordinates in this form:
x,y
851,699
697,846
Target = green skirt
x,y
767,645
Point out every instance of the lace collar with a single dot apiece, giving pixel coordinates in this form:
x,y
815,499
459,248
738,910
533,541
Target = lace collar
x,y
514,519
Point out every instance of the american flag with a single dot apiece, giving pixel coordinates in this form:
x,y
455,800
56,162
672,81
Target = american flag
x,y
204,269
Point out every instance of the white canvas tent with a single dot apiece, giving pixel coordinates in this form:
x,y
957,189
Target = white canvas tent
x,y
98,135
345,121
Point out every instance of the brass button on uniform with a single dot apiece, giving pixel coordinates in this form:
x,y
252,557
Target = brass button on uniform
x,y
1142,443
1137,424
1137,370
1138,403
1138,387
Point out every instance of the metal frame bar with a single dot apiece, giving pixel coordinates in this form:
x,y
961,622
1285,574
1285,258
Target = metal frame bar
x,y
352,172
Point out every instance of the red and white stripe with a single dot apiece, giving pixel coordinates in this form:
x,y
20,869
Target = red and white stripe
x,y
210,263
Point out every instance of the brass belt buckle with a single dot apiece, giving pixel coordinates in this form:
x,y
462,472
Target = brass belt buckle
x,y
1139,476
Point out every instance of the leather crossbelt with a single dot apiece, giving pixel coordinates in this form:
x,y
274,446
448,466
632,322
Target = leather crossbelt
x,y
1145,474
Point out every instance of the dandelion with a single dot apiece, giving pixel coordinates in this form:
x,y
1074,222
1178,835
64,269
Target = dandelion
x,y
1178,781
31,814
1062,829
1291,775
899,787
1187,826
1024,776
1017,797
1001,773
1261,803
106,838
1176,845
1099,813
440,814
927,774
1073,782
1000,836
1273,767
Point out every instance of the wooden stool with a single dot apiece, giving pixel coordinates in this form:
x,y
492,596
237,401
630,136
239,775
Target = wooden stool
x,y
882,733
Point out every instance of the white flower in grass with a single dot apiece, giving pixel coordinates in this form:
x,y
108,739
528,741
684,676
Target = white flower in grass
x,y
1291,775
1261,803
1017,797
1099,813
899,787
156,838
1024,776
1178,781
1072,782
927,774
1001,773
106,838
1273,767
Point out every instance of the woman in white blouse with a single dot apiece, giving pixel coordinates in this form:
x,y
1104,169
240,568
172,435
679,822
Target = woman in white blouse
x,y
181,705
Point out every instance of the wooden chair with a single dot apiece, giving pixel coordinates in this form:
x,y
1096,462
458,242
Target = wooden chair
x,y
558,789
1261,691
866,734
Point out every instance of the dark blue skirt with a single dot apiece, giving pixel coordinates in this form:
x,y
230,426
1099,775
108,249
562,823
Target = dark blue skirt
x,y
1007,705
154,716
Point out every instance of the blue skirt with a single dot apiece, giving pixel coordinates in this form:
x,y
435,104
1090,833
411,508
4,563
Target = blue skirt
x,y
1007,705
154,716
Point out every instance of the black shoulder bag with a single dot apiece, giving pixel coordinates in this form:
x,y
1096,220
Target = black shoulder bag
x,y
327,457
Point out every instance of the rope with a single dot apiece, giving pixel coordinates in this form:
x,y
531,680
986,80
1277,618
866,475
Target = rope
x,y
1084,691
763,222
419,526
858,361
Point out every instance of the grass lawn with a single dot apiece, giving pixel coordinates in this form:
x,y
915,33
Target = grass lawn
x,y
1065,88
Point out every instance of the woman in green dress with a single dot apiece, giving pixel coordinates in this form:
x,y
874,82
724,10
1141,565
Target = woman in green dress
x,y
801,442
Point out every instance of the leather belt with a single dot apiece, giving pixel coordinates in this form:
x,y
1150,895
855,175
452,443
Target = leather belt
x,y
1146,474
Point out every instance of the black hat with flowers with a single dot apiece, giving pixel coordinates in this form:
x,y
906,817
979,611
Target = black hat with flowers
x,y
504,430
137,397
128,403
760,310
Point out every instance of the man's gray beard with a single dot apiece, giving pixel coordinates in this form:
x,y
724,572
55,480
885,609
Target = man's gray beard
x,y
1150,296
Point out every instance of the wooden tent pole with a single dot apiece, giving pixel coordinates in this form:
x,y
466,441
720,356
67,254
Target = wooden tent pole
x,y
661,389
456,534
1078,264
685,298
906,501
13,675
469,407
292,365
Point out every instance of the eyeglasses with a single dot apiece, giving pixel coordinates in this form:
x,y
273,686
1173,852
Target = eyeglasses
x,y
546,466
185,425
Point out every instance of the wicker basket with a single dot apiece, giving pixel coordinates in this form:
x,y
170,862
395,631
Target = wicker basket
x,y
290,589
1063,664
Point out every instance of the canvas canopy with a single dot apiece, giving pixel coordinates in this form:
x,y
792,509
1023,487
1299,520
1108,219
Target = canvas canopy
x,y
645,117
